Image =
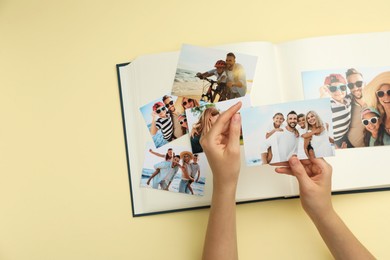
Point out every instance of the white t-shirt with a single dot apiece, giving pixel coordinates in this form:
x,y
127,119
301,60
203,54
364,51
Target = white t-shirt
x,y
301,148
287,145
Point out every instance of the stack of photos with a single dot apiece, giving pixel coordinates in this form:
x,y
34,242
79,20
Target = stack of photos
x,y
360,103
207,82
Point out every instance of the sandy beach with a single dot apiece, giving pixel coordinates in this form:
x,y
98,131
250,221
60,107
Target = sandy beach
x,y
188,89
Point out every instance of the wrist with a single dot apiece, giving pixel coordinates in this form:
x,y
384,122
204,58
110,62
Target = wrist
x,y
321,215
225,188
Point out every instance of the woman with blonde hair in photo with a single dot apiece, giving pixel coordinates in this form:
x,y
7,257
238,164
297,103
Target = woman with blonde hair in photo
x,y
206,120
377,95
317,134
189,103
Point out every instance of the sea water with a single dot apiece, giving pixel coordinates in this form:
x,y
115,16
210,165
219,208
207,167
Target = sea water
x,y
197,187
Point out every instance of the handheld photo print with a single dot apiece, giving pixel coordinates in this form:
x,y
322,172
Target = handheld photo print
x,y
201,119
213,75
274,133
174,169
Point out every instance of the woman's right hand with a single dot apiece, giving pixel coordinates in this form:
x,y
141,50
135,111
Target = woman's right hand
x,y
314,178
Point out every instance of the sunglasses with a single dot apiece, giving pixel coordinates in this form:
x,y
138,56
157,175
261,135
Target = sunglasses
x,y
381,93
169,104
358,84
372,120
335,88
183,121
159,110
186,102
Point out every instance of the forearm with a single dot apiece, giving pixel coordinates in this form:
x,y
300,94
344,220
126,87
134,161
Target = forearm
x,y
339,239
153,128
157,154
268,134
307,135
221,239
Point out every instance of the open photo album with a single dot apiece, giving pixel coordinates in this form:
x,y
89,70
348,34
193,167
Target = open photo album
x,y
318,97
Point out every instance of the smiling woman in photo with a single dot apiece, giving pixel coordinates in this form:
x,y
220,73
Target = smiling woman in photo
x,y
377,95
317,132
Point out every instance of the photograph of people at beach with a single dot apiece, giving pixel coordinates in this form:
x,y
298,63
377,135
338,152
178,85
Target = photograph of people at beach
x,y
213,75
274,133
360,101
165,119
175,169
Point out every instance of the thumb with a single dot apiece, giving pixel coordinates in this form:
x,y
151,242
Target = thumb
x,y
299,171
234,133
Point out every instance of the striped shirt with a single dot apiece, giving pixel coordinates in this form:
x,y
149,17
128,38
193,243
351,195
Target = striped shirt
x,y
341,117
166,127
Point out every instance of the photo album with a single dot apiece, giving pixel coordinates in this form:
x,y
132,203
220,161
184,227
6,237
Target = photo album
x,y
317,97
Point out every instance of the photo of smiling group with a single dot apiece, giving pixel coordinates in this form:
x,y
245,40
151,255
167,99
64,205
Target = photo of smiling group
x,y
360,101
166,119
274,133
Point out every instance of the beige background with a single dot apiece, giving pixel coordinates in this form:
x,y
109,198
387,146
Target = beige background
x,y
64,190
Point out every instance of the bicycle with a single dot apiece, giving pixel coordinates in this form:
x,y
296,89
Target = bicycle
x,y
215,91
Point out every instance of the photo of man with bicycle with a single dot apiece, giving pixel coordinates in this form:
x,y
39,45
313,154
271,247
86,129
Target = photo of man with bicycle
x,y
227,80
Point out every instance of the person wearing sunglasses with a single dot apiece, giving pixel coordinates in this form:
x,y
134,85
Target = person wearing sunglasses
x,y
183,123
189,103
170,105
355,84
377,95
161,120
341,109
222,148
374,133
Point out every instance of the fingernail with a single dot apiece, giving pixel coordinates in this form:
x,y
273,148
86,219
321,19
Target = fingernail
x,y
294,161
236,118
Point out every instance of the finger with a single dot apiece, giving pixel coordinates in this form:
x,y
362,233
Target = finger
x,y
322,166
284,170
298,170
280,164
224,119
234,133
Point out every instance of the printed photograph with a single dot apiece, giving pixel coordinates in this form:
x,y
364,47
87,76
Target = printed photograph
x,y
213,75
201,119
274,133
165,119
174,169
360,103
